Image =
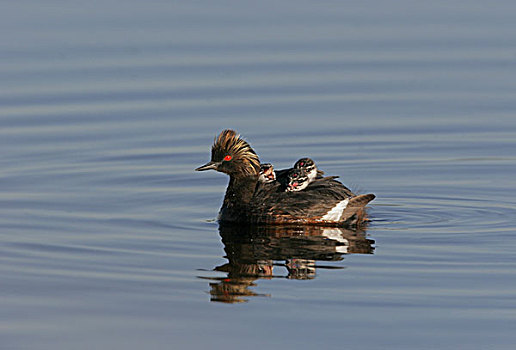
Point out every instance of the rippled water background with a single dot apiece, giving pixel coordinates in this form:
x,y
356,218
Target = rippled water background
x,y
108,238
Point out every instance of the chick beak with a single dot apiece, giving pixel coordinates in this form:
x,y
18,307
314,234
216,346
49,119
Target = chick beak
x,y
208,166
291,186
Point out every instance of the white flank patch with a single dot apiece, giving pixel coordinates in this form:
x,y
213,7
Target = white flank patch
x,y
341,249
336,212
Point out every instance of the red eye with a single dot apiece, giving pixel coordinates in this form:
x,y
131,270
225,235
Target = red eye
x,y
227,158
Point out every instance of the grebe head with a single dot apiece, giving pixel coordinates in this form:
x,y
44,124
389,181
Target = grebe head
x,y
297,180
232,155
267,173
308,165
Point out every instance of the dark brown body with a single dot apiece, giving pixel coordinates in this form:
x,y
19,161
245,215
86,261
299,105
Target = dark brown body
x,y
268,203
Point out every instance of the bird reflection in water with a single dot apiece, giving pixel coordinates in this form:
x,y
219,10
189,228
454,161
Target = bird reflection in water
x,y
257,252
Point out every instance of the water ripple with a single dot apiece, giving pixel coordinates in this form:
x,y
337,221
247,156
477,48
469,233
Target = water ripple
x,y
455,215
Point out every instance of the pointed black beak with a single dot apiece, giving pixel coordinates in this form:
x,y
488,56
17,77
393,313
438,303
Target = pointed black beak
x,y
208,166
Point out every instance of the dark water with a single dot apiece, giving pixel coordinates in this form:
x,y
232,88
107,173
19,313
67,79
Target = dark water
x,y
108,237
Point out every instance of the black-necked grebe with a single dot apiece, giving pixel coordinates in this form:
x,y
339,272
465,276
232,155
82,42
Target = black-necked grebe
x,y
324,201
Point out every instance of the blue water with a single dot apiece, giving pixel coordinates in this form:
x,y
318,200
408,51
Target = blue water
x,y
108,238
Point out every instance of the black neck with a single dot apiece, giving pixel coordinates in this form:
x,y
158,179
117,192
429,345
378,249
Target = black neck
x,y
240,190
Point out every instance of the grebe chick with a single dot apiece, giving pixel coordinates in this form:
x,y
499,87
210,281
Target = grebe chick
x,y
267,173
297,180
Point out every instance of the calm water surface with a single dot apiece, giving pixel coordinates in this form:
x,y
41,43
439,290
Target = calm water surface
x,y
108,238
